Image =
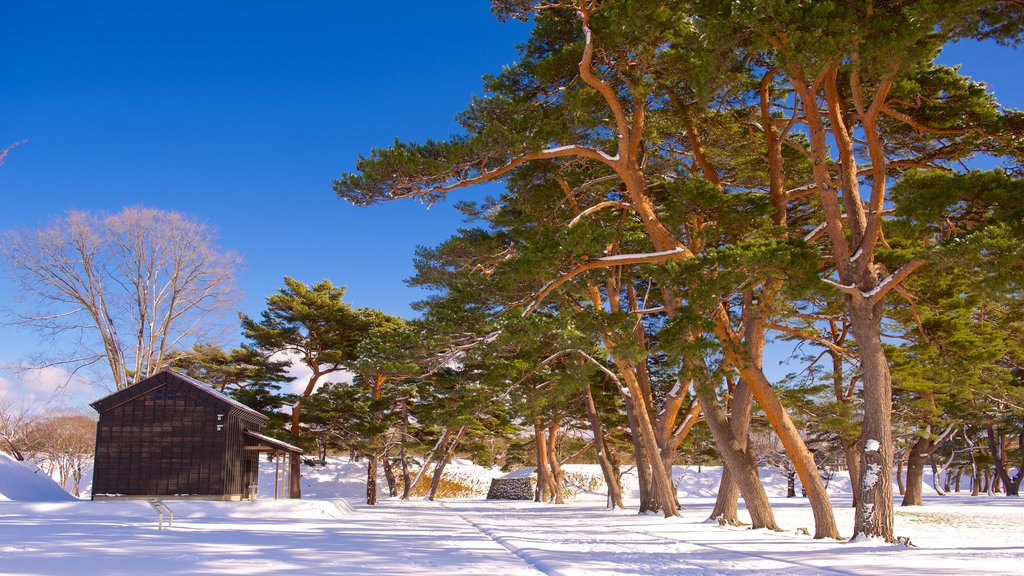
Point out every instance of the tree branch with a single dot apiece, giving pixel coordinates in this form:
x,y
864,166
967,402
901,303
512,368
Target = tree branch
x,y
605,262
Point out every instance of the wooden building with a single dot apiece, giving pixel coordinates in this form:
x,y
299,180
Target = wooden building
x,y
170,436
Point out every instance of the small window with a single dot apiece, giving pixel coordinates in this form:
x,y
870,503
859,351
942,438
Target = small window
x,y
159,395
170,394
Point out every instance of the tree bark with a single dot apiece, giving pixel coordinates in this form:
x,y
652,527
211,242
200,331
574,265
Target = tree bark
x,y
936,474
544,485
998,457
442,441
611,476
664,490
900,484
557,475
295,475
919,455
371,480
874,515
403,456
852,455
435,482
389,475
737,458
726,505
799,455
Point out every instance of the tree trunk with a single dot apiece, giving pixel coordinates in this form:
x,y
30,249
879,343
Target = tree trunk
x,y
403,456
371,479
643,470
544,485
919,454
998,460
435,482
725,510
936,473
874,517
852,466
443,440
557,475
611,476
664,490
850,452
782,424
736,458
295,475
790,480
900,484
637,397
389,475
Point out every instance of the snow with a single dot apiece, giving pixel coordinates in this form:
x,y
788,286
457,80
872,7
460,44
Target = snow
x,y
24,482
618,257
813,233
871,445
871,475
322,534
558,149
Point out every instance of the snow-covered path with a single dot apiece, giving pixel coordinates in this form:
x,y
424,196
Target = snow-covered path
x,y
597,544
957,535
303,537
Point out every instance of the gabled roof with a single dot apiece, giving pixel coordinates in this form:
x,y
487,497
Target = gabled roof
x,y
140,388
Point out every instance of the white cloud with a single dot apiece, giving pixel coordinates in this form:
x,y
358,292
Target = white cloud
x,y
49,386
301,373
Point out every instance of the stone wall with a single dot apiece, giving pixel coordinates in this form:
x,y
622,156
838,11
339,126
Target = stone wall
x,y
510,489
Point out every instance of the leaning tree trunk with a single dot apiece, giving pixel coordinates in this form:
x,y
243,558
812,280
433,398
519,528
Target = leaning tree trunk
x,y
919,455
1012,484
611,477
726,509
943,489
736,458
643,470
874,517
435,482
557,475
661,479
782,424
442,441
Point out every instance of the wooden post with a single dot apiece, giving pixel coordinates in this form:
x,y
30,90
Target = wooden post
x,y
277,474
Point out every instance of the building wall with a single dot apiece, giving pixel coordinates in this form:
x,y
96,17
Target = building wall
x,y
240,465
167,442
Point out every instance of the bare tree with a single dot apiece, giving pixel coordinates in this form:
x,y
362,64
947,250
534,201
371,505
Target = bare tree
x,y
15,420
128,287
62,445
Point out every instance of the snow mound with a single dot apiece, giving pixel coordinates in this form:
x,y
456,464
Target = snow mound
x,y
23,482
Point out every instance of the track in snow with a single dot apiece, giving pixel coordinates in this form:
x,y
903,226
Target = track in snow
x,y
627,548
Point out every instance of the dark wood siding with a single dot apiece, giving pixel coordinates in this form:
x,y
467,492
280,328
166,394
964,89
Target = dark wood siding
x,y
166,436
237,473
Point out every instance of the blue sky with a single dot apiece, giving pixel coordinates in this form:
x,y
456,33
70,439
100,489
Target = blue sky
x,y
241,114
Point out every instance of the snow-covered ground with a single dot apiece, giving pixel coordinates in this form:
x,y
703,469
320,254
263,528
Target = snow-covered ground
x,y
322,534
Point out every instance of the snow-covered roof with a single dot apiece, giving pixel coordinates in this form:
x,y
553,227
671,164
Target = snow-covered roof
x,y
274,442
159,379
